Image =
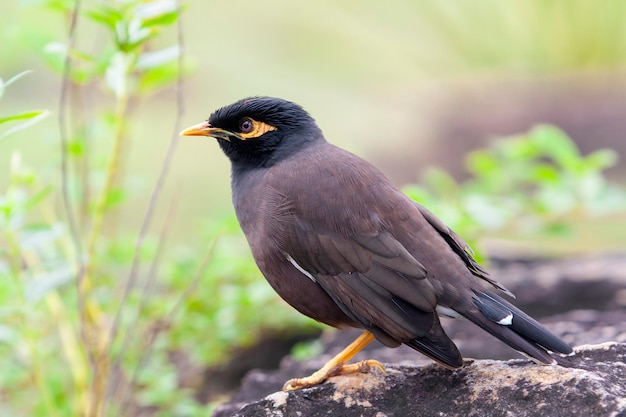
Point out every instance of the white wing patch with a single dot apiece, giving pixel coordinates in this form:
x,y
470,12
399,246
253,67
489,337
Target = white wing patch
x,y
299,268
506,321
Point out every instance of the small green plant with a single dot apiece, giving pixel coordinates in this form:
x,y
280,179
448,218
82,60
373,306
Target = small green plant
x,y
70,348
91,312
128,65
25,272
537,182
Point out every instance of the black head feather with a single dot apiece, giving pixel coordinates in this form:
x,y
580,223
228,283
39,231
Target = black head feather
x,y
295,130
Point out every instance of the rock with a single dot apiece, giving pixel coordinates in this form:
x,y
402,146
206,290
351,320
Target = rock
x,y
590,383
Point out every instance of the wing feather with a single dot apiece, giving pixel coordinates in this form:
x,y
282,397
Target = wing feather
x,y
372,278
461,248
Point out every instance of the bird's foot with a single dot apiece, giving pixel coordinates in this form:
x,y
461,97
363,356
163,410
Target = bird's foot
x,y
330,370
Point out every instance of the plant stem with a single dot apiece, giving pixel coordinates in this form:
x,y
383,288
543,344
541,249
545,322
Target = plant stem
x,y
98,342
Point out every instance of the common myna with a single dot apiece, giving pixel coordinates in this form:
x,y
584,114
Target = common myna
x,y
341,244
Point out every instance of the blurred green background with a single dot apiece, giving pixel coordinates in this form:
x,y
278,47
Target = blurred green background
x,y
384,81
408,85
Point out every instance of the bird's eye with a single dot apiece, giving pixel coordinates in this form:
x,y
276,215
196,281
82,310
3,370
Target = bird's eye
x,y
246,125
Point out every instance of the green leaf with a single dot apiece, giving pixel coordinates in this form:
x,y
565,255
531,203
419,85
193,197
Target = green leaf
x,y
17,77
63,6
601,159
518,149
158,58
487,211
164,12
39,236
117,73
38,197
545,173
3,84
482,163
441,181
105,15
30,118
115,197
54,55
47,282
554,143
76,148
21,116
159,77
130,35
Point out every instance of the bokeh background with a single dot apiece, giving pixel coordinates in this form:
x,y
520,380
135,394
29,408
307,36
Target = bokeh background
x,y
407,85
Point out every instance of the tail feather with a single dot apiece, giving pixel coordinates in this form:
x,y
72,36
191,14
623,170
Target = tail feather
x,y
438,346
514,327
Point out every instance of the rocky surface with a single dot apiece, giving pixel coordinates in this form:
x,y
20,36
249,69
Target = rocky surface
x,y
590,383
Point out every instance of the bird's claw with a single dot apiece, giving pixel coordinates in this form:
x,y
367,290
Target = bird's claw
x,y
322,375
362,366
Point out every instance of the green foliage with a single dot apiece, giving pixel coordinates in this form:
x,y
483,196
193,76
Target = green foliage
x,y
128,64
31,266
70,311
536,182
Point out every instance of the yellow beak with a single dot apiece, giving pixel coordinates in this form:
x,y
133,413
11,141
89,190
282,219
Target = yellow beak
x,y
205,129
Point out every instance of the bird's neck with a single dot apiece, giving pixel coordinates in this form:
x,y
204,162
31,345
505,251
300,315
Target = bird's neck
x,y
240,172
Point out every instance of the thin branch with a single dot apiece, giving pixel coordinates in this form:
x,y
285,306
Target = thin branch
x,y
81,267
63,133
65,82
158,188
69,210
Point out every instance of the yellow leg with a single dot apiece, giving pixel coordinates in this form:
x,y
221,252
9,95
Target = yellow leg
x,y
337,365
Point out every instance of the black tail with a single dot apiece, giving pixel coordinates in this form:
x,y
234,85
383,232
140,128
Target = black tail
x,y
438,346
514,327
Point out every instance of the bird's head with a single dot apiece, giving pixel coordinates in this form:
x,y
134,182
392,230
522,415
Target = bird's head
x,y
259,131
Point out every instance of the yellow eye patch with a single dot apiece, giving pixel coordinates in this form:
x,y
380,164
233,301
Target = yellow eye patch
x,y
250,128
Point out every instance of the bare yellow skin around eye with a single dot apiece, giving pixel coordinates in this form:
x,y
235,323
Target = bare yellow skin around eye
x,y
258,129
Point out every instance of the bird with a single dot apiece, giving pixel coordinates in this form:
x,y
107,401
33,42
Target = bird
x,y
340,243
